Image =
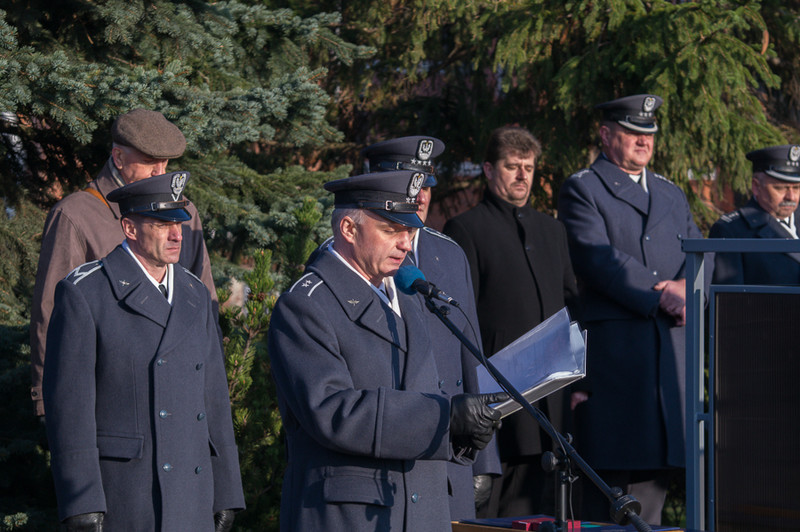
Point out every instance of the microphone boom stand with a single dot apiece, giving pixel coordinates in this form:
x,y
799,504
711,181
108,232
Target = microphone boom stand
x,y
624,508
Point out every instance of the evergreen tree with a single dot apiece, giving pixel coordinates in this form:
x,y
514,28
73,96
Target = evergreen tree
x,y
237,78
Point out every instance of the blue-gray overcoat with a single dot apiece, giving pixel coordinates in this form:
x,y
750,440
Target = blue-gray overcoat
x,y
444,264
751,221
367,428
623,241
138,414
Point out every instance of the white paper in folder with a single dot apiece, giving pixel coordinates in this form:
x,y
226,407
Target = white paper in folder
x,y
541,361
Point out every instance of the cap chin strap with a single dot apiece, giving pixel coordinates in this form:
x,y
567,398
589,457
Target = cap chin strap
x,y
405,165
639,128
389,206
156,206
779,173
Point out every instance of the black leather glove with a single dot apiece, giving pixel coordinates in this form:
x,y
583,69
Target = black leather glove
x,y
223,520
482,484
91,522
472,420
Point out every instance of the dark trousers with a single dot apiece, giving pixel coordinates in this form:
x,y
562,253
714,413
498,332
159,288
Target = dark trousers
x,y
523,489
649,487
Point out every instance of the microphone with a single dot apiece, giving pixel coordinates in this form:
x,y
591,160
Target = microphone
x,y
410,280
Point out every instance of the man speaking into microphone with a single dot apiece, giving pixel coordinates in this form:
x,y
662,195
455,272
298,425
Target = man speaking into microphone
x,y
368,432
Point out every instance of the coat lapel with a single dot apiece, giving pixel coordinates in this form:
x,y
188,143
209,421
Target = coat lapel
x,y
664,205
187,308
361,304
621,186
133,289
765,226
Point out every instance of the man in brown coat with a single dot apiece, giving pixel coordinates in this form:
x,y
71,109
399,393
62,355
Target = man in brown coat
x,y
84,226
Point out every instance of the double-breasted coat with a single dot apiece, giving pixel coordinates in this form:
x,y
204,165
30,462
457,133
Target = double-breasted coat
x,y
521,275
138,414
751,221
367,428
623,241
81,228
444,264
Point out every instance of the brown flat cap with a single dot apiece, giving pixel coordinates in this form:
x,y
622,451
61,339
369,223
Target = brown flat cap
x,y
150,133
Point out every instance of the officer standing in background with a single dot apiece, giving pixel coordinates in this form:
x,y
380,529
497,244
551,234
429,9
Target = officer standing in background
x,y
521,275
85,226
368,430
625,226
444,264
770,213
138,413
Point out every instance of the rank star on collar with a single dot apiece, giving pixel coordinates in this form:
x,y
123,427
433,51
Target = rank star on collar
x,y
124,283
353,302
306,283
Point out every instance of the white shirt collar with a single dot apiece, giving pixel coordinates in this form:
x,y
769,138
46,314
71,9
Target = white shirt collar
x,y
389,296
167,282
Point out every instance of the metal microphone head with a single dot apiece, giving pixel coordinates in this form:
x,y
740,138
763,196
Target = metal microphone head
x,y
405,277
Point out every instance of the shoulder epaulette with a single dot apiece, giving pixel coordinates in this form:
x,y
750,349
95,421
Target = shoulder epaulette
x,y
731,216
191,273
434,232
580,173
83,271
662,178
307,284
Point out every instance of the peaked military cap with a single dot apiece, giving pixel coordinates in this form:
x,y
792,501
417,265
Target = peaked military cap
x,y
636,112
780,162
390,194
405,153
159,197
150,133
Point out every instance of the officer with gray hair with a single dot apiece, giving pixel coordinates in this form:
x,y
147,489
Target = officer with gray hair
x,y
368,430
770,213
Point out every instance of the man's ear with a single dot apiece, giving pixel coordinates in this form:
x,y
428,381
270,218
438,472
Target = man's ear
x,y
605,134
128,228
348,228
118,156
488,170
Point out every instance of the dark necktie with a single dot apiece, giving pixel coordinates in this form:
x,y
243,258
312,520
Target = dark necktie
x,y
163,290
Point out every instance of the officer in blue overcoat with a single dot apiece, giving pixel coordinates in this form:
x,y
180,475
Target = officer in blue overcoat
x,y
770,213
444,264
625,225
139,420
368,431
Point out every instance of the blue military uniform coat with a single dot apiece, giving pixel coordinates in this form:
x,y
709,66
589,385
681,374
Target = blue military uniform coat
x,y
444,264
367,428
623,241
751,221
138,414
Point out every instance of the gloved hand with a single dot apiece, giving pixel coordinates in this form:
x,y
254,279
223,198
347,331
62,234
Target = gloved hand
x,y
482,484
472,420
91,522
223,520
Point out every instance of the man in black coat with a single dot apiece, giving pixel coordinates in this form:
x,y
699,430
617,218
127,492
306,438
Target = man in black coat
x,y
522,275
770,213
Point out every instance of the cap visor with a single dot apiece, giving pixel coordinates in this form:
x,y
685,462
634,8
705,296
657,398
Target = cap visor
x,y
408,219
171,215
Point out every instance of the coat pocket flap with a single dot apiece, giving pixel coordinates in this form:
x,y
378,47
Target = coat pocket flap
x,y
128,446
357,486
